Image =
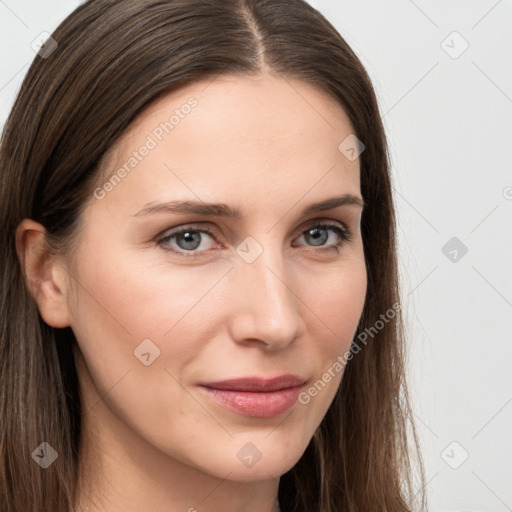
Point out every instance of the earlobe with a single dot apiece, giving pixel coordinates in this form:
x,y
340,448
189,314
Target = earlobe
x,y
46,278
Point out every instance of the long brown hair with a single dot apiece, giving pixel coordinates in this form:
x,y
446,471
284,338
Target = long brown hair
x,y
112,60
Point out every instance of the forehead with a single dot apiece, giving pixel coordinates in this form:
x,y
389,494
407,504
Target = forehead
x,y
253,140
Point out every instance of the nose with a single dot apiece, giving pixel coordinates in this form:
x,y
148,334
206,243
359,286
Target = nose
x,y
266,308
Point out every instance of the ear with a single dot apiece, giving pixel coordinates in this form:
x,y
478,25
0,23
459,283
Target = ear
x,y
46,277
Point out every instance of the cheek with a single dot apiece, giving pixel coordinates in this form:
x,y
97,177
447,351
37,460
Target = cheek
x,y
121,302
337,301
124,299
338,306
142,295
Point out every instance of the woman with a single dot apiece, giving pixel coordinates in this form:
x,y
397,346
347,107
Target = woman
x,y
200,305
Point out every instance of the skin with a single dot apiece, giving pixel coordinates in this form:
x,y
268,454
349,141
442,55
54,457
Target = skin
x,y
152,440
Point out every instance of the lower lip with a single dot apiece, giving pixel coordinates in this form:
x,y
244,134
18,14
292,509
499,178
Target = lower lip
x,y
255,405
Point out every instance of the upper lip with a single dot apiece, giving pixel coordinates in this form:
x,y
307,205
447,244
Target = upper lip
x,y
257,384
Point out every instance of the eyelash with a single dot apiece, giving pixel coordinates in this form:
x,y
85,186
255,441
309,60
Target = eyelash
x,y
344,234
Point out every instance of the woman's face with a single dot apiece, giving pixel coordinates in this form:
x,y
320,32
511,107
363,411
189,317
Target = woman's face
x,y
157,314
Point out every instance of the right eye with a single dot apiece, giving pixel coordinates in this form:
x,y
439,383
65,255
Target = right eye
x,y
188,237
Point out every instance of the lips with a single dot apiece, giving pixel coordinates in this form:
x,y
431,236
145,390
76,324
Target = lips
x,y
257,384
255,397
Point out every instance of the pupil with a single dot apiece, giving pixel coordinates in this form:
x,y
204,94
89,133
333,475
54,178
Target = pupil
x,y
188,237
317,235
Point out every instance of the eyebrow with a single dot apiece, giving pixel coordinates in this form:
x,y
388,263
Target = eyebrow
x,y
223,210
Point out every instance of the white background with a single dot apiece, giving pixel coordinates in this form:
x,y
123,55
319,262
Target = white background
x,y
449,125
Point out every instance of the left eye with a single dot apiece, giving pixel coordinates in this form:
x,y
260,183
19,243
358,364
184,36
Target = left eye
x,y
317,233
189,238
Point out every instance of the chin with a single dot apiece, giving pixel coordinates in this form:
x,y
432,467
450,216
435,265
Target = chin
x,y
247,460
